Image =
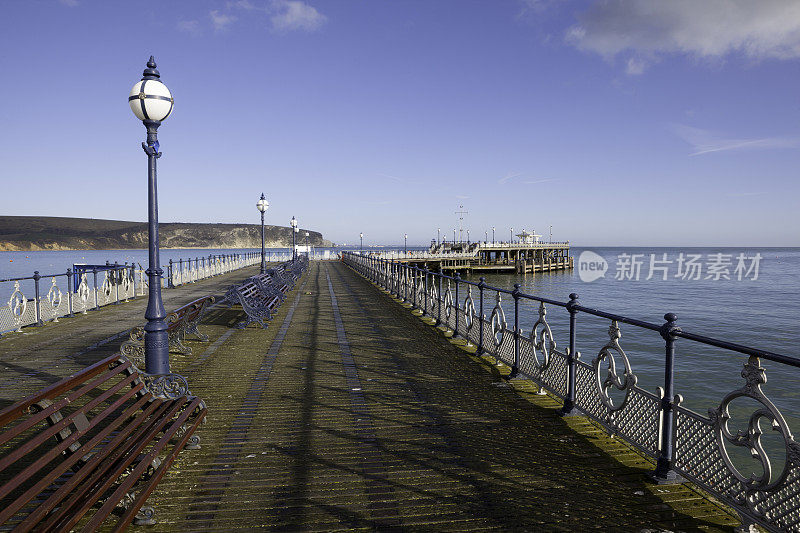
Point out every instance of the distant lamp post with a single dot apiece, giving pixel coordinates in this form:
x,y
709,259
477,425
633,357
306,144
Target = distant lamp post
x,y
405,244
262,206
551,234
467,237
492,234
486,236
152,103
294,230
512,235
454,236
361,246
438,236
308,250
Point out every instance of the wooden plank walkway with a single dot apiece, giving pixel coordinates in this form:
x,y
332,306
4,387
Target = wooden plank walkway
x,y
349,413
42,355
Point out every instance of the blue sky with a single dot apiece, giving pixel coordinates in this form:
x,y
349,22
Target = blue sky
x,y
626,122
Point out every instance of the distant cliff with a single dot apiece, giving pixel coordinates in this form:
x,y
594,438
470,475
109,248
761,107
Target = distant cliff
x,y
60,233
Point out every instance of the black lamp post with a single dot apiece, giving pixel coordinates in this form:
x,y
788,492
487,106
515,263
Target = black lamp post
x,y
468,238
262,206
492,234
512,235
361,247
438,236
152,103
294,230
405,244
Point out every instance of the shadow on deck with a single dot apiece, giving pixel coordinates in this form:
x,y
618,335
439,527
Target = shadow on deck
x,y
350,413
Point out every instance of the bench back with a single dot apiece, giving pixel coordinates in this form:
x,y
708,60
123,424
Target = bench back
x,y
60,428
192,311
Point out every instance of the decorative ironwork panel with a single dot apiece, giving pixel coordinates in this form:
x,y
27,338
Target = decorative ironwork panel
x,y
488,342
553,377
702,454
636,419
15,313
54,304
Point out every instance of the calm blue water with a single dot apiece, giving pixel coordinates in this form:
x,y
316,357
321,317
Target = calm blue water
x,y
762,313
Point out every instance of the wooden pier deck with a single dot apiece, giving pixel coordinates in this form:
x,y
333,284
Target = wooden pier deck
x,y
350,413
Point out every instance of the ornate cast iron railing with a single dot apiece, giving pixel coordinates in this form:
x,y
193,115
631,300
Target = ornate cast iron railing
x,y
685,444
63,294
183,271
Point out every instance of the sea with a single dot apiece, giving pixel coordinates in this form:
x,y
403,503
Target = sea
x,y
749,296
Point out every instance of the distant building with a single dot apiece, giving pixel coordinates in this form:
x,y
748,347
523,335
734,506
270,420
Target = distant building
x,y
528,238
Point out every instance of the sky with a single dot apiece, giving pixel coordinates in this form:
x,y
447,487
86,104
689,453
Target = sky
x,y
618,122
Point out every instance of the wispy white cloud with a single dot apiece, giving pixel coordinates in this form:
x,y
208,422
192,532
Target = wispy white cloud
x,y
192,27
644,30
706,142
221,21
508,177
461,197
284,15
295,15
514,175
69,3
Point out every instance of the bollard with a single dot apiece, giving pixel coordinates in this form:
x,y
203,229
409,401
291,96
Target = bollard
x,y
664,473
572,362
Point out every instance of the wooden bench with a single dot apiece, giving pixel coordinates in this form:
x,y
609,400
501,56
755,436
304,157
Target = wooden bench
x,y
181,322
94,443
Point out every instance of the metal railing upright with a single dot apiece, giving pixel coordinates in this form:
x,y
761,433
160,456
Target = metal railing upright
x,y
684,444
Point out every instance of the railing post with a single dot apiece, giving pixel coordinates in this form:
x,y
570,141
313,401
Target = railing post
x,y
664,474
572,361
425,290
180,268
455,301
117,282
70,308
96,301
170,283
439,299
481,285
36,278
515,367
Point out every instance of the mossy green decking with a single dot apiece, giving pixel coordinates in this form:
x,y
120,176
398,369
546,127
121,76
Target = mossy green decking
x,y
434,440
382,423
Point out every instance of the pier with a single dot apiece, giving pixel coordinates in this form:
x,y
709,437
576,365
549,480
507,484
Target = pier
x,y
526,255
353,411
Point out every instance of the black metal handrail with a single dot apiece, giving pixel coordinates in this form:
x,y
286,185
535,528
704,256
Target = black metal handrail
x,y
685,444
